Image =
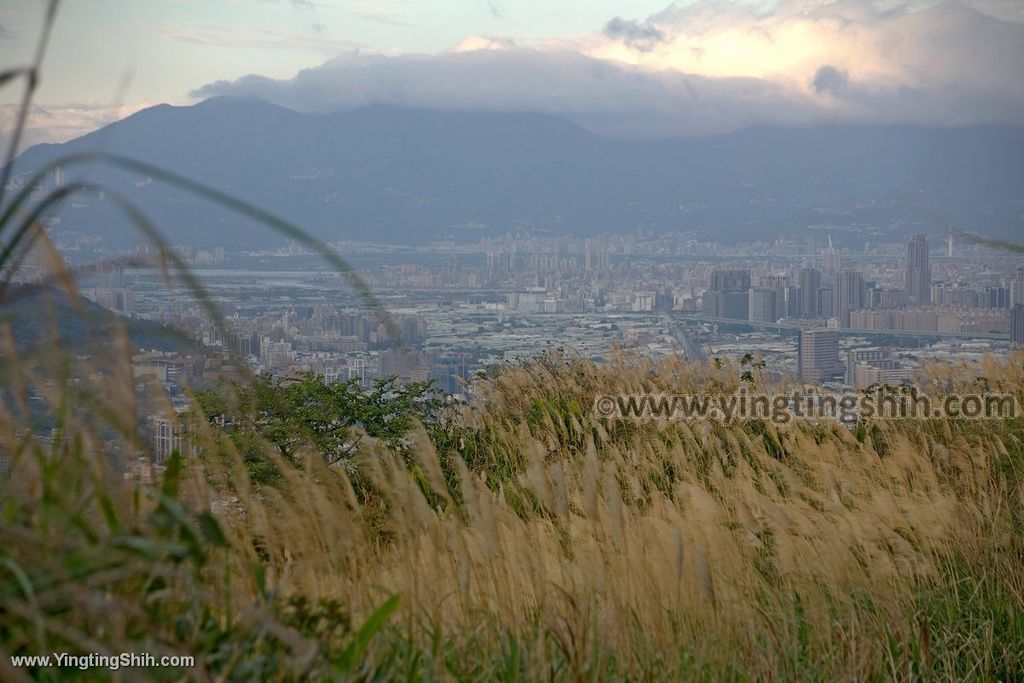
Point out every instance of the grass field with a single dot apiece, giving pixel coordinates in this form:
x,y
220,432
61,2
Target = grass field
x,y
522,539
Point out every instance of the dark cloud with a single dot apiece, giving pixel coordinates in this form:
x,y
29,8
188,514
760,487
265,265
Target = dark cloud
x,y
495,7
828,80
638,36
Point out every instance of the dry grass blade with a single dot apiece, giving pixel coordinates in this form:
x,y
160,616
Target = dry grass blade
x,y
31,74
242,207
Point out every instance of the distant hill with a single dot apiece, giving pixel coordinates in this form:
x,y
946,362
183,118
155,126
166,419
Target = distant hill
x,y
41,316
399,175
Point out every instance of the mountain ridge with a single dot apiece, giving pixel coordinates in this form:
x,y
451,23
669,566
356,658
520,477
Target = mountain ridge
x,y
395,174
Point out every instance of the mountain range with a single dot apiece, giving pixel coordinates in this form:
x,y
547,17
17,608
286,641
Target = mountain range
x,y
410,176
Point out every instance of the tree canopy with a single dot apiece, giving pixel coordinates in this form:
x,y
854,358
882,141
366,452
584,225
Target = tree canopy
x,y
331,418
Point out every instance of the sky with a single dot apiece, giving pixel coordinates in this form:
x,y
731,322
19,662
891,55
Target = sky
x,y
642,68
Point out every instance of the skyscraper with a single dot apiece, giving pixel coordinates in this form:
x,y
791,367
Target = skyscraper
x,y
1017,325
1016,287
830,259
919,272
847,295
810,283
818,355
724,280
728,296
825,301
763,305
790,297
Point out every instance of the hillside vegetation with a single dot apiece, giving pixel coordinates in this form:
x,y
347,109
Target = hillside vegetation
x,y
522,538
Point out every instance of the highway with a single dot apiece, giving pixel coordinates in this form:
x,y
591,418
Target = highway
x,y
846,331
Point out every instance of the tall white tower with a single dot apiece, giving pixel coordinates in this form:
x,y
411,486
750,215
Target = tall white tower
x,y
830,259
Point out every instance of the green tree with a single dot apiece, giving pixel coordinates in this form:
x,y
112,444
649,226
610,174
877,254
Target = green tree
x,y
309,412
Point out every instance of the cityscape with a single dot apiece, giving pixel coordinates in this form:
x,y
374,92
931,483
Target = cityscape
x,y
811,310
374,340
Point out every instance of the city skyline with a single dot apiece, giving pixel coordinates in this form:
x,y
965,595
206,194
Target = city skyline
x,y
462,309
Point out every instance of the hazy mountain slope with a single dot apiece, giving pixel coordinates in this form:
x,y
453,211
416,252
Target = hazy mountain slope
x,y
391,174
42,316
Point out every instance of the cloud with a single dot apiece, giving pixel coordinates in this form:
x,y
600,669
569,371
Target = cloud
x,y
611,98
305,4
4,33
391,16
869,40
828,80
485,43
252,37
638,36
495,7
695,68
707,67
61,122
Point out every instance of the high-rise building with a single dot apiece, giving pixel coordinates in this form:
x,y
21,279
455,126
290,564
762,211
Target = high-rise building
x,y
888,372
499,262
830,259
919,273
810,283
996,297
724,280
877,357
493,261
779,286
449,371
847,295
791,297
825,302
818,355
407,365
762,305
167,436
1016,287
877,297
732,303
728,296
1017,325
865,367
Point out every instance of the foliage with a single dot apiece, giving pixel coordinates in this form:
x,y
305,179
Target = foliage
x,y
330,417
